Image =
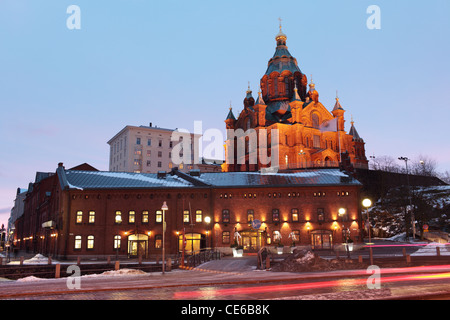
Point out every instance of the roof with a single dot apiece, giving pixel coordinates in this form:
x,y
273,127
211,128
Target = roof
x,y
230,116
354,133
87,180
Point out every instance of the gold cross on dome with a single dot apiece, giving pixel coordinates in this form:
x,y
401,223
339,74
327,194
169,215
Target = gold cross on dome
x,y
279,19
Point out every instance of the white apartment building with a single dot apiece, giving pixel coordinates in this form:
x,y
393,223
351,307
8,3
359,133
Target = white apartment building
x,y
149,149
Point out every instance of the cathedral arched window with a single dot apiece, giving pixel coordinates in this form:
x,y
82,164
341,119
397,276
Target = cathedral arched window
x,y
315,120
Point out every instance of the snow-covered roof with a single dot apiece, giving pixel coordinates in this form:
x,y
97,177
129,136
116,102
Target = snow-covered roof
x,y
75,179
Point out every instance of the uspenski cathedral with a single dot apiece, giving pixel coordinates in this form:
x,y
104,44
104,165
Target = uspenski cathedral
x,y
309,135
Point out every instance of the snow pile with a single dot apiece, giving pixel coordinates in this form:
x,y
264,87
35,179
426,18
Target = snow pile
x,y
306,261
30,279
121,272
37,259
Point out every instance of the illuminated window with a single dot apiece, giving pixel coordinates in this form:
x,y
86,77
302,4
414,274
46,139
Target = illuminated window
x,y
158,241
91,216
159,216
118,218
131,217
250,215
198,216
117,241
295,235
226,237
186,215
90,242
77,243
294,215
144,216
79,217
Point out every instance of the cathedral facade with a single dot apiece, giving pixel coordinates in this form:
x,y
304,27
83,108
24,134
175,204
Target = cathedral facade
x,y
308,135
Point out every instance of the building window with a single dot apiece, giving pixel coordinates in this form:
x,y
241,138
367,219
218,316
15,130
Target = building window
x,y
160,143
275,215
149,142
250,215
226,216
117,241
295,235
138,140
159,216
198,216
159,154
79,217
186,215
159,164
131,217
90,242
77,243
316,141
226,237
343,217
320,215
294,215
91,216
144,216
315,121
118,218
158,241
149,163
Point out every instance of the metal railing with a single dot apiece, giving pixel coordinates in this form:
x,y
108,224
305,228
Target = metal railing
x,y
201,256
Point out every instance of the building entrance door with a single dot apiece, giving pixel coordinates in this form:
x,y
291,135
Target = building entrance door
x,y
321,239
137,245
251,240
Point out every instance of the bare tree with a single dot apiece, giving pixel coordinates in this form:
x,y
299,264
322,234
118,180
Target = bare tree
x,y
385,163
424,166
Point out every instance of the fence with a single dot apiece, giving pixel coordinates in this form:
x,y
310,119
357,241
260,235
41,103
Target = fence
x,y
204,255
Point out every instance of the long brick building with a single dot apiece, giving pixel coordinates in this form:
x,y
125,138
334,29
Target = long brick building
x,y
85,212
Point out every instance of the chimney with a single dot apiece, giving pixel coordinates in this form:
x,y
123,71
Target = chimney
x,y
150,124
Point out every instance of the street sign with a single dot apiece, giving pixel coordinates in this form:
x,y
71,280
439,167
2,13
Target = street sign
x,y
256,224
425,227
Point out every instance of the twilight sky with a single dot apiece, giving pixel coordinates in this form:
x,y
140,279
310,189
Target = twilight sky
x,y
64,93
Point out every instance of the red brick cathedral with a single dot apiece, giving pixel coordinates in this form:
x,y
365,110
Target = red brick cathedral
x,y
309,135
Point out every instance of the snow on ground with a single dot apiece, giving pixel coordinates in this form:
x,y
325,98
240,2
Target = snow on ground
x,y
430,250
37,259
112,273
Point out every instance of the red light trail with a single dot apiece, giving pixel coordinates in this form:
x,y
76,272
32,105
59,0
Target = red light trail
x,y
315,285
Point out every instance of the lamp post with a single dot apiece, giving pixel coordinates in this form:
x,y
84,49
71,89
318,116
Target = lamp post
x,y
410,201
164,208
367,203
342,212
207,221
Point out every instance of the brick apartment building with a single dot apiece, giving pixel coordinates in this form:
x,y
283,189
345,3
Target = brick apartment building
x,y
85,212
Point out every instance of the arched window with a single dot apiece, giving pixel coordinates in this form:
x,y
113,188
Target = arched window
x,y
315,120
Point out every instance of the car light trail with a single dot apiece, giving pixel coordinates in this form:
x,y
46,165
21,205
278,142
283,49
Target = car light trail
x,y
303,286
405,245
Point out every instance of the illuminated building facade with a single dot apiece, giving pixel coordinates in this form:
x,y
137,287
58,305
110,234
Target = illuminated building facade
x,y
88,213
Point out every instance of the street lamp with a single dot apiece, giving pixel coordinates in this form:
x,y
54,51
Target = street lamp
x,y
341,212
367,203
164,208
207,221
410,201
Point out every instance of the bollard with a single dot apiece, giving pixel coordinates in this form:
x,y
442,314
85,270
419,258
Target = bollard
x,y
438,251
169,264
337,254
140,259
360,259
408,258
404,252
157,260
21,261
108,261
57,271
371,256
268,263
117,265
49,260
1,261
78,260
